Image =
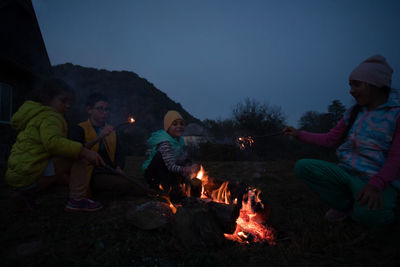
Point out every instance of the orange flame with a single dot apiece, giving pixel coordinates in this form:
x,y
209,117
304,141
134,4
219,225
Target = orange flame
x,y
247,226
200,173
203,178
172,207
131,120
222,194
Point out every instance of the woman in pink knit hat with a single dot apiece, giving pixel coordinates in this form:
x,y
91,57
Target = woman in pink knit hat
x,y
365,181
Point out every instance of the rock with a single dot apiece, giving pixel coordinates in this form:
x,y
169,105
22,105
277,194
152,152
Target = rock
x,y
150,215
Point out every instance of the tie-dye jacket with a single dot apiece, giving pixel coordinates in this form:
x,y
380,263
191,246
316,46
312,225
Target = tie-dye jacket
x,y
370,149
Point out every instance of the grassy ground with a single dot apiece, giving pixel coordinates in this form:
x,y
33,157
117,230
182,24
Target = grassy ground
x,y
51,237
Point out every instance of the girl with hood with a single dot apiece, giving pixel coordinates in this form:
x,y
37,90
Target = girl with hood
x,y
41,137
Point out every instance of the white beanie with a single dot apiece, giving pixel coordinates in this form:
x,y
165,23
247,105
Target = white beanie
x,y
374,70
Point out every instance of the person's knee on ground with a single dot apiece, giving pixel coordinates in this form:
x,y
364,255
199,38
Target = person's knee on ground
x,y
302,168
63,170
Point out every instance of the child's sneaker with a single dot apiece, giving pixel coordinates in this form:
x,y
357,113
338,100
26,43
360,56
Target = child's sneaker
x,y
83,204
333,215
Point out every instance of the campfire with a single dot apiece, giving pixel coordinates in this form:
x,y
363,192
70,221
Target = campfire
x,y
236,207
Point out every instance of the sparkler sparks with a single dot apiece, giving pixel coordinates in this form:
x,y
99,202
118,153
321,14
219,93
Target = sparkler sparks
x,y
130,121
245,142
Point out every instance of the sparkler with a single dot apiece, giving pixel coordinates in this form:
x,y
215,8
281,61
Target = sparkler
x,y
144,187
248,141
244,142
130,121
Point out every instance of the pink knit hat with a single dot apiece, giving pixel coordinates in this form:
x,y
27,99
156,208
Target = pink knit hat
x,y
374,70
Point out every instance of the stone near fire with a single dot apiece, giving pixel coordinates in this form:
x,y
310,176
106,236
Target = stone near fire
x,y
150,215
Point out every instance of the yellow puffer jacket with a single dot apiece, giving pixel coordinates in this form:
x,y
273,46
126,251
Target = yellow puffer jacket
x,y
42,135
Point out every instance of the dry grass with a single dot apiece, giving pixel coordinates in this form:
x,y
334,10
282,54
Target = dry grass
x,y
51,237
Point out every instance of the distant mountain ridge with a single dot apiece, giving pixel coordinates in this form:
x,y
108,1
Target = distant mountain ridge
x,y
129,95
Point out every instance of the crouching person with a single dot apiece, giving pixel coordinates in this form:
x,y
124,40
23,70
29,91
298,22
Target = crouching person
x,y
41,139
95,134
168,164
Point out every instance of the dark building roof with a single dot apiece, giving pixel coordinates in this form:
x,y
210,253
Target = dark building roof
x,y
22,49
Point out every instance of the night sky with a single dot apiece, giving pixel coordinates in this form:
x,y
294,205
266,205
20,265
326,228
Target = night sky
x,y
210,54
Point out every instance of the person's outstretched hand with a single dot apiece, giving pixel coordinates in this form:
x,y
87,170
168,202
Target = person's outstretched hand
x,y
371,196
92,156
191,170
291,131
119,170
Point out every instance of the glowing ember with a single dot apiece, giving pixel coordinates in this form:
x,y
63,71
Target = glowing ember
x,y
131,120
172,207
245,142
247,229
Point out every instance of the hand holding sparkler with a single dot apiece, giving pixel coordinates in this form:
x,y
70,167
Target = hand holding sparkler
x,y
105,131
128,122
92,156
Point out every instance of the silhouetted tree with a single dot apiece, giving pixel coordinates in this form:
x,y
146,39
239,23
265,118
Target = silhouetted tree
x,y
336,109
257,118
309,121
322,122
220,130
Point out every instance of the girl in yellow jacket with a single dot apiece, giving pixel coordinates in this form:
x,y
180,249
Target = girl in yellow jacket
x,y
41,137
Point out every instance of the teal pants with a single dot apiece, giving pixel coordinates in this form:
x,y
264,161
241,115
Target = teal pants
x,y
339,189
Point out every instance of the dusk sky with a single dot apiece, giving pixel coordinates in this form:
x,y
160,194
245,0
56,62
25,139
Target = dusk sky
x,y
210,54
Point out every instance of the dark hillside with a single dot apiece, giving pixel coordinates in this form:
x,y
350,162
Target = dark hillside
x,y
129,94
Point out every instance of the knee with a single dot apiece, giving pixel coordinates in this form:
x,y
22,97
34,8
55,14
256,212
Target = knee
x,y
302,166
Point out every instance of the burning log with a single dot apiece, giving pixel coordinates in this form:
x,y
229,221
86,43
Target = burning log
x,y
195,187
228,191
201,222
226,210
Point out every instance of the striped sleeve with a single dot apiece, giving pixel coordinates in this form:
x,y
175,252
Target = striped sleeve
x,y
168,156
